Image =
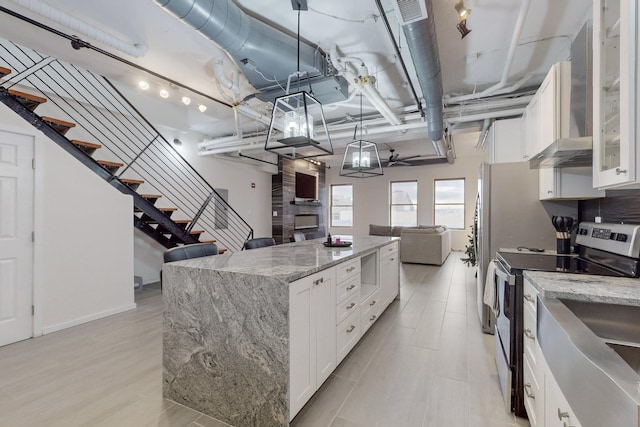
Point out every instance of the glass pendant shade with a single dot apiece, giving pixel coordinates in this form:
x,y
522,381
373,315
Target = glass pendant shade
x,y
298,129
361,160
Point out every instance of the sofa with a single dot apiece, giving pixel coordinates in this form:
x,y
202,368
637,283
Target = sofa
x,y
422,244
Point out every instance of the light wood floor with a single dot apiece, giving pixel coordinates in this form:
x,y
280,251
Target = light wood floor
x,y
424,363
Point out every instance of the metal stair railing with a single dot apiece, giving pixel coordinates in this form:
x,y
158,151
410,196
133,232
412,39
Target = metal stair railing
x,y
103,115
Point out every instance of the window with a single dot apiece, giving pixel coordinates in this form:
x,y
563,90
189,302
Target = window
x,y
341,206
449,203
404,203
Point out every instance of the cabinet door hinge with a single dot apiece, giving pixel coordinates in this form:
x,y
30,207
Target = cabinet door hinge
x,y
33,236
33,310
33,163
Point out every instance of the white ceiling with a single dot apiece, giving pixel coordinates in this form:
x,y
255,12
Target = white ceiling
x,y
177,51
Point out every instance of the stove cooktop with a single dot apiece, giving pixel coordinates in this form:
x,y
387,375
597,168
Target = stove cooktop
x,y
515,263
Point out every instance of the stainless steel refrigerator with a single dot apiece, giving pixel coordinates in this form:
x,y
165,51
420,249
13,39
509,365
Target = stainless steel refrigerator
x,y
509,214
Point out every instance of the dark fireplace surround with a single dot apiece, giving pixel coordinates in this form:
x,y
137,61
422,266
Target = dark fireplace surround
x,y
296,215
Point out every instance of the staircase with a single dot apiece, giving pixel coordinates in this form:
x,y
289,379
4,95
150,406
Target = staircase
x,y
173,203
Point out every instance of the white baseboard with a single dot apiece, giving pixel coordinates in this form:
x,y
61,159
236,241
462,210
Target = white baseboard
x,y
79,321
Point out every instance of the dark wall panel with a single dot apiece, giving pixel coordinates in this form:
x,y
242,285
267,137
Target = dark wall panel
x,y
618,206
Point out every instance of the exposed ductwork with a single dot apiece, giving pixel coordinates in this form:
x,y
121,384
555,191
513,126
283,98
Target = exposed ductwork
x,y
423,46
264,54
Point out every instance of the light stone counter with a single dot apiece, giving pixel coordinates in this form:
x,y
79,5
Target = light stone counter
x,y
226,326
582,287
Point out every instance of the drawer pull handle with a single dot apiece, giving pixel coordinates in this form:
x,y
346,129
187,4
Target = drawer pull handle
x,y
351,287
528,297
350,269
351,328
317,282
372,318
350,306
527,390
562,414
620,171
372,303
528,334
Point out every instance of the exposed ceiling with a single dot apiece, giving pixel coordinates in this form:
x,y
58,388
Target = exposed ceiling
x,y
180,53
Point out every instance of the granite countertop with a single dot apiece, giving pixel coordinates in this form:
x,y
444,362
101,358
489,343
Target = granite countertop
x,y
287,262
582,287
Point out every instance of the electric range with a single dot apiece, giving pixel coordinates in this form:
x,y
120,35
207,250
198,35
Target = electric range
x,y
602,249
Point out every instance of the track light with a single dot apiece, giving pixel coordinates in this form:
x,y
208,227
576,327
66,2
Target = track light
x,y
164,93
202,108
143,84
186,100
177,142
463,12
462,27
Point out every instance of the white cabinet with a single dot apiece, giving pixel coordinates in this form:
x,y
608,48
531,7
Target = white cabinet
x,y
505,141
312,335
389,274
616,159
544,402
548,113
347,325
567,183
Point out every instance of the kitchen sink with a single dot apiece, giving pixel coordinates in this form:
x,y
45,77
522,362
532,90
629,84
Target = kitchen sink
x,y
612,322
630,354
597,344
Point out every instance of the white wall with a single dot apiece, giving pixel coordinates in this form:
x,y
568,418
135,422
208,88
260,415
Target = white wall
x,y
371,195
83,250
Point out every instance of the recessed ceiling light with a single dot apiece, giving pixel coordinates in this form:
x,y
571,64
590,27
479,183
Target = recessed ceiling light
x,y
202,108
186,100
164,93
143,84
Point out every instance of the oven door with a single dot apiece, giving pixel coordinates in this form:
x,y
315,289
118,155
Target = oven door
x,y
504,333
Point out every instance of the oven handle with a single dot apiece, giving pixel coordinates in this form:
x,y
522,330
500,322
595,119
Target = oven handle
x,y
509,278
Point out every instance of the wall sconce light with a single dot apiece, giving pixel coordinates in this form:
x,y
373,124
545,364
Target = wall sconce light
x,y
462,27
202,108
463,12
164,93
186,100
143,84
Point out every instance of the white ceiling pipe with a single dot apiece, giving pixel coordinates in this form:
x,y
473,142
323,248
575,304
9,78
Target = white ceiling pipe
x,y
257,142
368,90
82,28
483,135
524,6
218,68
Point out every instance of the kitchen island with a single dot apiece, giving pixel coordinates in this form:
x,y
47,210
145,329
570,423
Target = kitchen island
x,y
244,332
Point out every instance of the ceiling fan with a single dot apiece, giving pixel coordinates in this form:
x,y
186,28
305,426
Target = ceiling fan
x,y
395,159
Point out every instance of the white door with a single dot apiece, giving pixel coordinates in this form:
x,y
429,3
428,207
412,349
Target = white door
x,y
16,247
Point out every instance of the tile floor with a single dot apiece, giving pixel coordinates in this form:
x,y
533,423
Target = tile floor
x,y
424,363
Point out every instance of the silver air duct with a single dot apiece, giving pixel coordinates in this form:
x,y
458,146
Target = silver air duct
x,y
423,46
261,51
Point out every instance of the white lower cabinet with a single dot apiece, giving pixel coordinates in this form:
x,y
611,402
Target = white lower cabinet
x,y
329,312
312,335
545,404
389,274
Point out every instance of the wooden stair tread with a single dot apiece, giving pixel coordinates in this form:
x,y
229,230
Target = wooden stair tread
x,y
196,232
151,196
182,221
167,209
58,122
208,241
108,163
4,71
25,95
86,144
131,181
221,251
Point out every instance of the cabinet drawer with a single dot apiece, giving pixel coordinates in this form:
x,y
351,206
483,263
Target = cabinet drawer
x,y
348,269
346,307
370,310
533,397
348,333
530,294
348,288
389,250
530,338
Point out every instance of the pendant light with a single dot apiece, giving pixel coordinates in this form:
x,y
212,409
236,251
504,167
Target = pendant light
x,y
361,158
298,129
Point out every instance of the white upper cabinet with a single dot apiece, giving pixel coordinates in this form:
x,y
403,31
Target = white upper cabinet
x,y
616,162
505,141
567,183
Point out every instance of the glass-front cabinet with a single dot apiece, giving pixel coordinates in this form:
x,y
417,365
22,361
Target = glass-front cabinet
x,y
615,94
